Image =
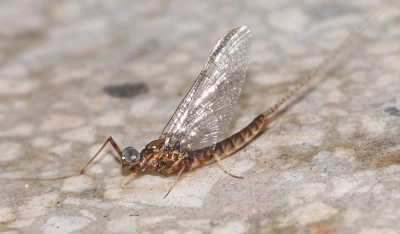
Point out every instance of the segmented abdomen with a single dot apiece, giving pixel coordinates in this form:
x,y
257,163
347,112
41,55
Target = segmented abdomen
x,y
231,144
238,140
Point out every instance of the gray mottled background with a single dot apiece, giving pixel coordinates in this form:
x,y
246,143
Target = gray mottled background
x,y
74,72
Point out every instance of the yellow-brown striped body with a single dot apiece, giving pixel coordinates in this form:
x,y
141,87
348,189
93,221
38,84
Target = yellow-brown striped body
x,y
154,157
233,143
240,139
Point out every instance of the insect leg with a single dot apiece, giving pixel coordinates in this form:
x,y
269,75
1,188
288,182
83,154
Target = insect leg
x,y
114,145
84,168
177,178
128,178
218,160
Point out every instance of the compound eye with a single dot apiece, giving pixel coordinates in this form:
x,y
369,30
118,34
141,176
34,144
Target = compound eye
x,y
130,155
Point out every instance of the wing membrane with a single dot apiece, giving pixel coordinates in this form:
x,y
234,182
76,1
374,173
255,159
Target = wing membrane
x,y
207,108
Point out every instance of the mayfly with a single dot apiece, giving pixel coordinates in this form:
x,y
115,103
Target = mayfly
x,y
192,137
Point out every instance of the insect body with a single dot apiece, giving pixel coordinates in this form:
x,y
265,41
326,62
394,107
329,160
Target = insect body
x,y
194,135
190,138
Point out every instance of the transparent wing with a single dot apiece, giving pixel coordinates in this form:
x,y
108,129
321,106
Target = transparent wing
x,y
207,108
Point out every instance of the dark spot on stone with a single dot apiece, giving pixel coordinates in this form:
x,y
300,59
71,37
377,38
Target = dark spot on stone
x,y
126,90
393,111
376,104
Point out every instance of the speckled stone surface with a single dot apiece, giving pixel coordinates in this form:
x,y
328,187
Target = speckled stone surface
x,y
74,72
